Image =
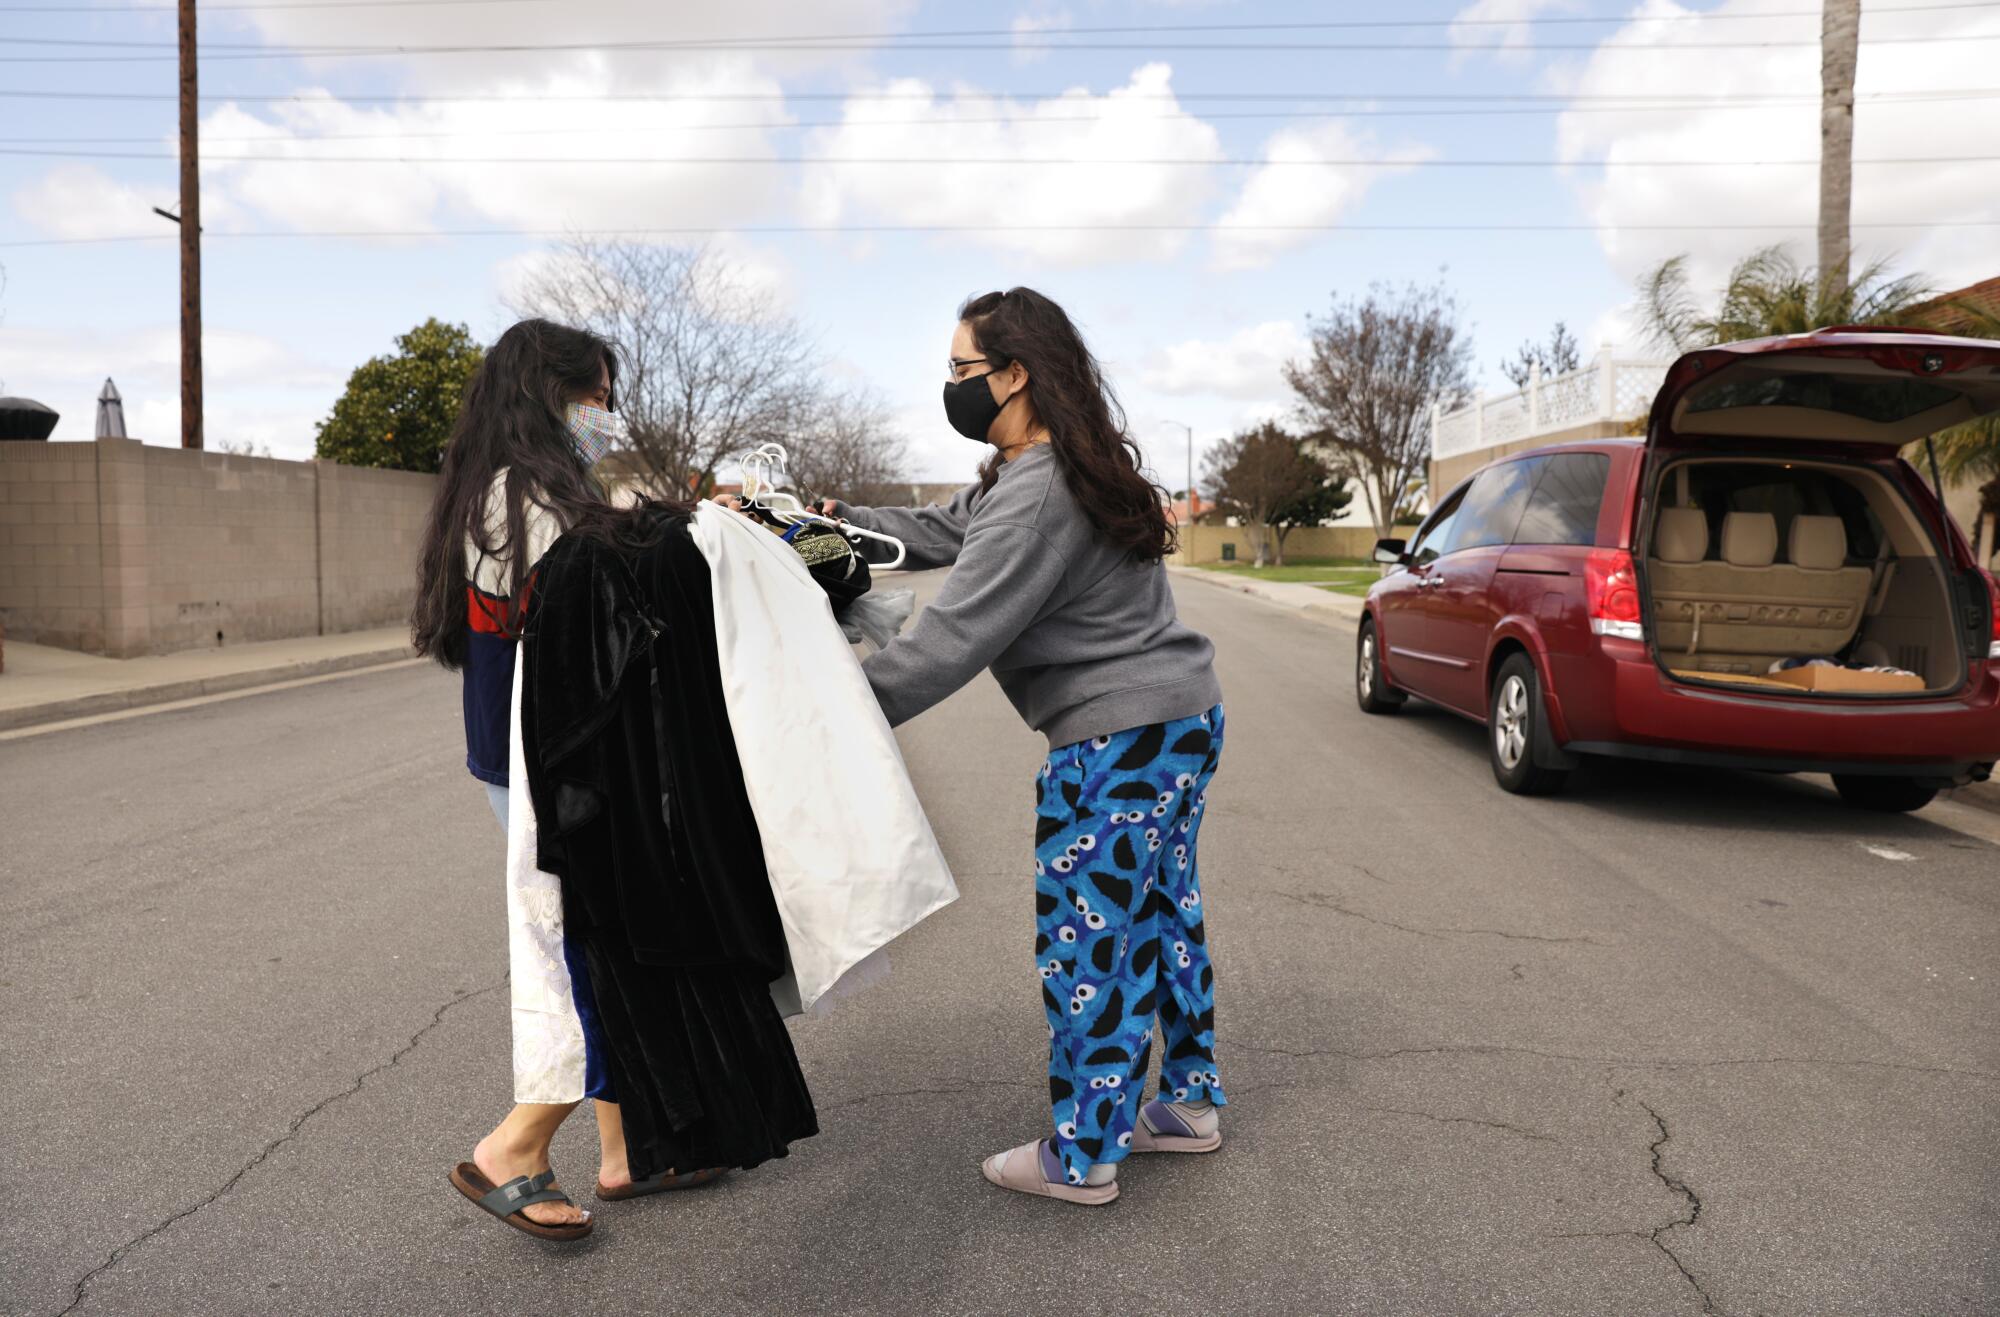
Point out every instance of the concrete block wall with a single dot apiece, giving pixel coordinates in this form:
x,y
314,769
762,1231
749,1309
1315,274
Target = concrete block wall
x,y
231,549
51,563
119,548
371,523
1203,544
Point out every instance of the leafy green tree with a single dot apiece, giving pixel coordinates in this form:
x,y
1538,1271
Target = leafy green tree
x,y
398,410
1271,481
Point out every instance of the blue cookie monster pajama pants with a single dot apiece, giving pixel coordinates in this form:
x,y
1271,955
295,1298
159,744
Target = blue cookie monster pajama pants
x,y
1118,929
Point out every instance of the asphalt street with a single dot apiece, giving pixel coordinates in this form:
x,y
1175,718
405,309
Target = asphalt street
x,y
1674,1043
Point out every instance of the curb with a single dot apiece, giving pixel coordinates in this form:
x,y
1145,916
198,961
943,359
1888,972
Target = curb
x,y
86,706
1327,608
1980,795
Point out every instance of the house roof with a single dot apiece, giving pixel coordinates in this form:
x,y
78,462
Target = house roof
x,y
1959,312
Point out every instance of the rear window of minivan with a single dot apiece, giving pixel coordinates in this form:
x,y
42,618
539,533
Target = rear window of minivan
x,y
1563,509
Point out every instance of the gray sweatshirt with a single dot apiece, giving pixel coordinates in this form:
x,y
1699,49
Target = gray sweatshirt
x,y
1081,636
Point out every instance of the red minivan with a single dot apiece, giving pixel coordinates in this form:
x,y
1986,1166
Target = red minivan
x,y
1646,599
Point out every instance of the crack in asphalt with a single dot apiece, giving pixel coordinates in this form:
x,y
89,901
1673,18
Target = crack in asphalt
x,y
1680,1187
1467,1120
1615,1062
1676,1185
1321,901
292,1130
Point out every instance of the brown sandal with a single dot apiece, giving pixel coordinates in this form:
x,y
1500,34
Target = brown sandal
x,y
506,1201
664,1182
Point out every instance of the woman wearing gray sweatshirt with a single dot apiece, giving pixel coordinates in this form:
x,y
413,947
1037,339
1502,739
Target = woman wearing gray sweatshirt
x,y
1058,586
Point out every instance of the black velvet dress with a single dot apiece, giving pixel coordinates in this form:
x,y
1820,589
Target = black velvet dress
x,y
642,815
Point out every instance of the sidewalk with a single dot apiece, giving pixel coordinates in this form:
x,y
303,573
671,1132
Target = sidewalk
x,y
43,684
1319,605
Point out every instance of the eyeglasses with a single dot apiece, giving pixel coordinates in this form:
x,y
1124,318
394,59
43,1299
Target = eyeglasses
x,y
956,364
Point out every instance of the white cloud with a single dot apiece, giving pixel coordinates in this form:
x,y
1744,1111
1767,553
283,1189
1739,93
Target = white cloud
x,y
256,389
1725,193
504,162
434,162
81,202
1140,122
1247,366
1501,26
1295,188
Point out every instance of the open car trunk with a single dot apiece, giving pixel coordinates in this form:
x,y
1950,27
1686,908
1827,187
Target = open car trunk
x,y
1779,543
1773,573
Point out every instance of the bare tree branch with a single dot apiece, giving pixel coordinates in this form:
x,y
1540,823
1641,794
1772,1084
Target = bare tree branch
x,y
1374,368
711,367
846,448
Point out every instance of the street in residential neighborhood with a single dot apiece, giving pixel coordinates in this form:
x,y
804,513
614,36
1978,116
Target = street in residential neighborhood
x,y
1087,656
1678,1041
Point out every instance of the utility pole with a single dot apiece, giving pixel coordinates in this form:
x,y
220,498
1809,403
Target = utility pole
x,y
190,222
1190,466
1840,45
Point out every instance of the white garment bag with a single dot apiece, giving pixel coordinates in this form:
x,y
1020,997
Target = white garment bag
x,y
852,859
548,1037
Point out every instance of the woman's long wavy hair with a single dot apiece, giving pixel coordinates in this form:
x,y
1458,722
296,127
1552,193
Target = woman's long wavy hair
x,y
512,421
1100,463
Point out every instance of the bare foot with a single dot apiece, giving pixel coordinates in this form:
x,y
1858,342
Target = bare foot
x,y
614,1173
500,1164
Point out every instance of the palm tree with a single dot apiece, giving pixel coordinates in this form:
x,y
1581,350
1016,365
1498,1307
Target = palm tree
x,y
1972,451
1840,43
1770,293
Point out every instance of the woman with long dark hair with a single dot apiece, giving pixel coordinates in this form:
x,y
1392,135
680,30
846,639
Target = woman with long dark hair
x,y
1059,588
537,416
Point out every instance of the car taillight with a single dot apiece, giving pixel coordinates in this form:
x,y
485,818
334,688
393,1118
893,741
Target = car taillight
x,y
1993,592
1611,594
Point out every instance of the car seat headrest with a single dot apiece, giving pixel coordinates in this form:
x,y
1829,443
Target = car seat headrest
x,y
1681,536
1819,543
1749,539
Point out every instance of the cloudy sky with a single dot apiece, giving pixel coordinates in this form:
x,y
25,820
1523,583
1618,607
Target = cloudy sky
x,y
872,162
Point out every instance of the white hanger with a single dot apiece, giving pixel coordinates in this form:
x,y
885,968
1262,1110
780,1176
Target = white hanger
x,y
763,471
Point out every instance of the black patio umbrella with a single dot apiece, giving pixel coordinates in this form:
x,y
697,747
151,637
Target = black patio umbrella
x,y
24,418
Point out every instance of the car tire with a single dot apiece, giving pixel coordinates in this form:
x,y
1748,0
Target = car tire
x,y
1514,718
1886,795
1371,690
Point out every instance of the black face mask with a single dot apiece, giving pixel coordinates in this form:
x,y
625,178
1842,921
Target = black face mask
x,y
969,406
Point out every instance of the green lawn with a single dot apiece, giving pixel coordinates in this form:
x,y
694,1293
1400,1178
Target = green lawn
x,y
1351,576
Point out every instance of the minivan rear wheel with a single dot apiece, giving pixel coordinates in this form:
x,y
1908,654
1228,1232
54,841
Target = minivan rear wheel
x,y
1514,724
1371,692
1887,795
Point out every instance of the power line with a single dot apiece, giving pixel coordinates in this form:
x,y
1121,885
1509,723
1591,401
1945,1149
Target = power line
x,y
835,230
544,49
1054,36
1611,101
82,10
1344,24
1681,107
1012,161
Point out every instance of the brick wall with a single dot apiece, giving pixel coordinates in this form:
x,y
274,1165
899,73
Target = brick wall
x,y
119,548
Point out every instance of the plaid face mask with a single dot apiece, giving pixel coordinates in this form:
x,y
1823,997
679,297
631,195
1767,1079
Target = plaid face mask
x,y
594,431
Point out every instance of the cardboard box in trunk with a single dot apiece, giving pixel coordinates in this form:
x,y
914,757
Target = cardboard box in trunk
x,y
1821,678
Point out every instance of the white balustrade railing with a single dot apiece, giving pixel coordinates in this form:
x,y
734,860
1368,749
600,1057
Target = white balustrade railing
x,y
1606,389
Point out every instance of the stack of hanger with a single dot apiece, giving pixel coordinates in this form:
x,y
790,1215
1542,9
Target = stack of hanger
x,y
764,478
875,617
